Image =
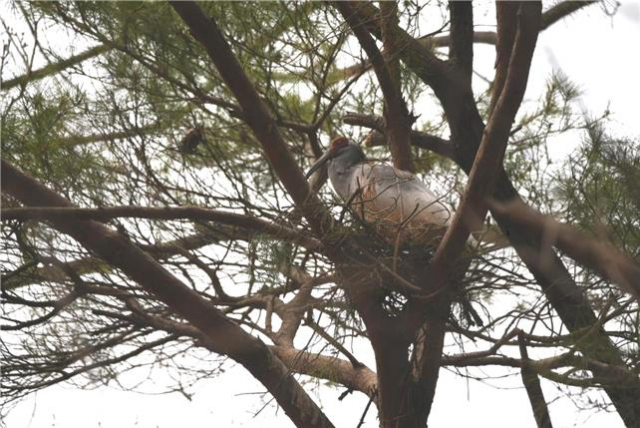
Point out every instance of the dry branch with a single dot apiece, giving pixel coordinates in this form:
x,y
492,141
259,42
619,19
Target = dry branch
x,y
226,336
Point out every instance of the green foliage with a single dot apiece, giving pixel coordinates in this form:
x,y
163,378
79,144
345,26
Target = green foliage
x,y
549,121
600,189
106,133
35,132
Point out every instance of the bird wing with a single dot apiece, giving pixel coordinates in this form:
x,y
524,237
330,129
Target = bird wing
x,y
395,202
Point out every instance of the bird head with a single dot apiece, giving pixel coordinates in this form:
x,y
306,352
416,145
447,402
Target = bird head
x,y
339,146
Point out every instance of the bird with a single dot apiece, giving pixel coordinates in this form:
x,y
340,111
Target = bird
x,y
191,140
395,203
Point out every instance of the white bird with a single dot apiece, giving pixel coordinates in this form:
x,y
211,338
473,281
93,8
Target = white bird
x,y
399,206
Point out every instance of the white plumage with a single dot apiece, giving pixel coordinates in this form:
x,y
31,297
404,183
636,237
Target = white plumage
x,y
399,206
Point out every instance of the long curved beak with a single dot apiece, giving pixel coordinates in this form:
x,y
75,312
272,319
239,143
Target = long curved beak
x,y
316,166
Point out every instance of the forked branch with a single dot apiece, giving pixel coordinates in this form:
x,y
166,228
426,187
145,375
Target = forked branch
x,y
486,165
227,337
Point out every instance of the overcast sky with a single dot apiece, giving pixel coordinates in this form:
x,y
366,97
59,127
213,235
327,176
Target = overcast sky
x,y
602,55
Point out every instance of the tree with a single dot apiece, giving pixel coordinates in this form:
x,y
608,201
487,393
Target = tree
x,y
154,204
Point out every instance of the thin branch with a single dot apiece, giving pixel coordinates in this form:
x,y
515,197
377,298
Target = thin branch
x,y
165,213
561,11
418,139
160,251
79,140
364,413
57,305
550,17
442,41
320,331
54,68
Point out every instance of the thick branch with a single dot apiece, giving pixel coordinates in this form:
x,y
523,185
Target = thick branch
x,y
461,38
226,336
397,119
166,213
257,116
359,378
397,122
532,386
506,16
488,161
292,313
430,68
390,45
431,344
603,258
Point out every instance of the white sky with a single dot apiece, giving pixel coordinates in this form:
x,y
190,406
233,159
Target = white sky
x,y
601,55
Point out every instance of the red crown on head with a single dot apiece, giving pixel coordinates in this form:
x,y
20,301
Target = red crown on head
x,y
338,143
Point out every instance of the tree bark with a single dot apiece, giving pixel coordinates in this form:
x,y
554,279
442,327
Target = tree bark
x,y
396,115
554,280
256,114
532,386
